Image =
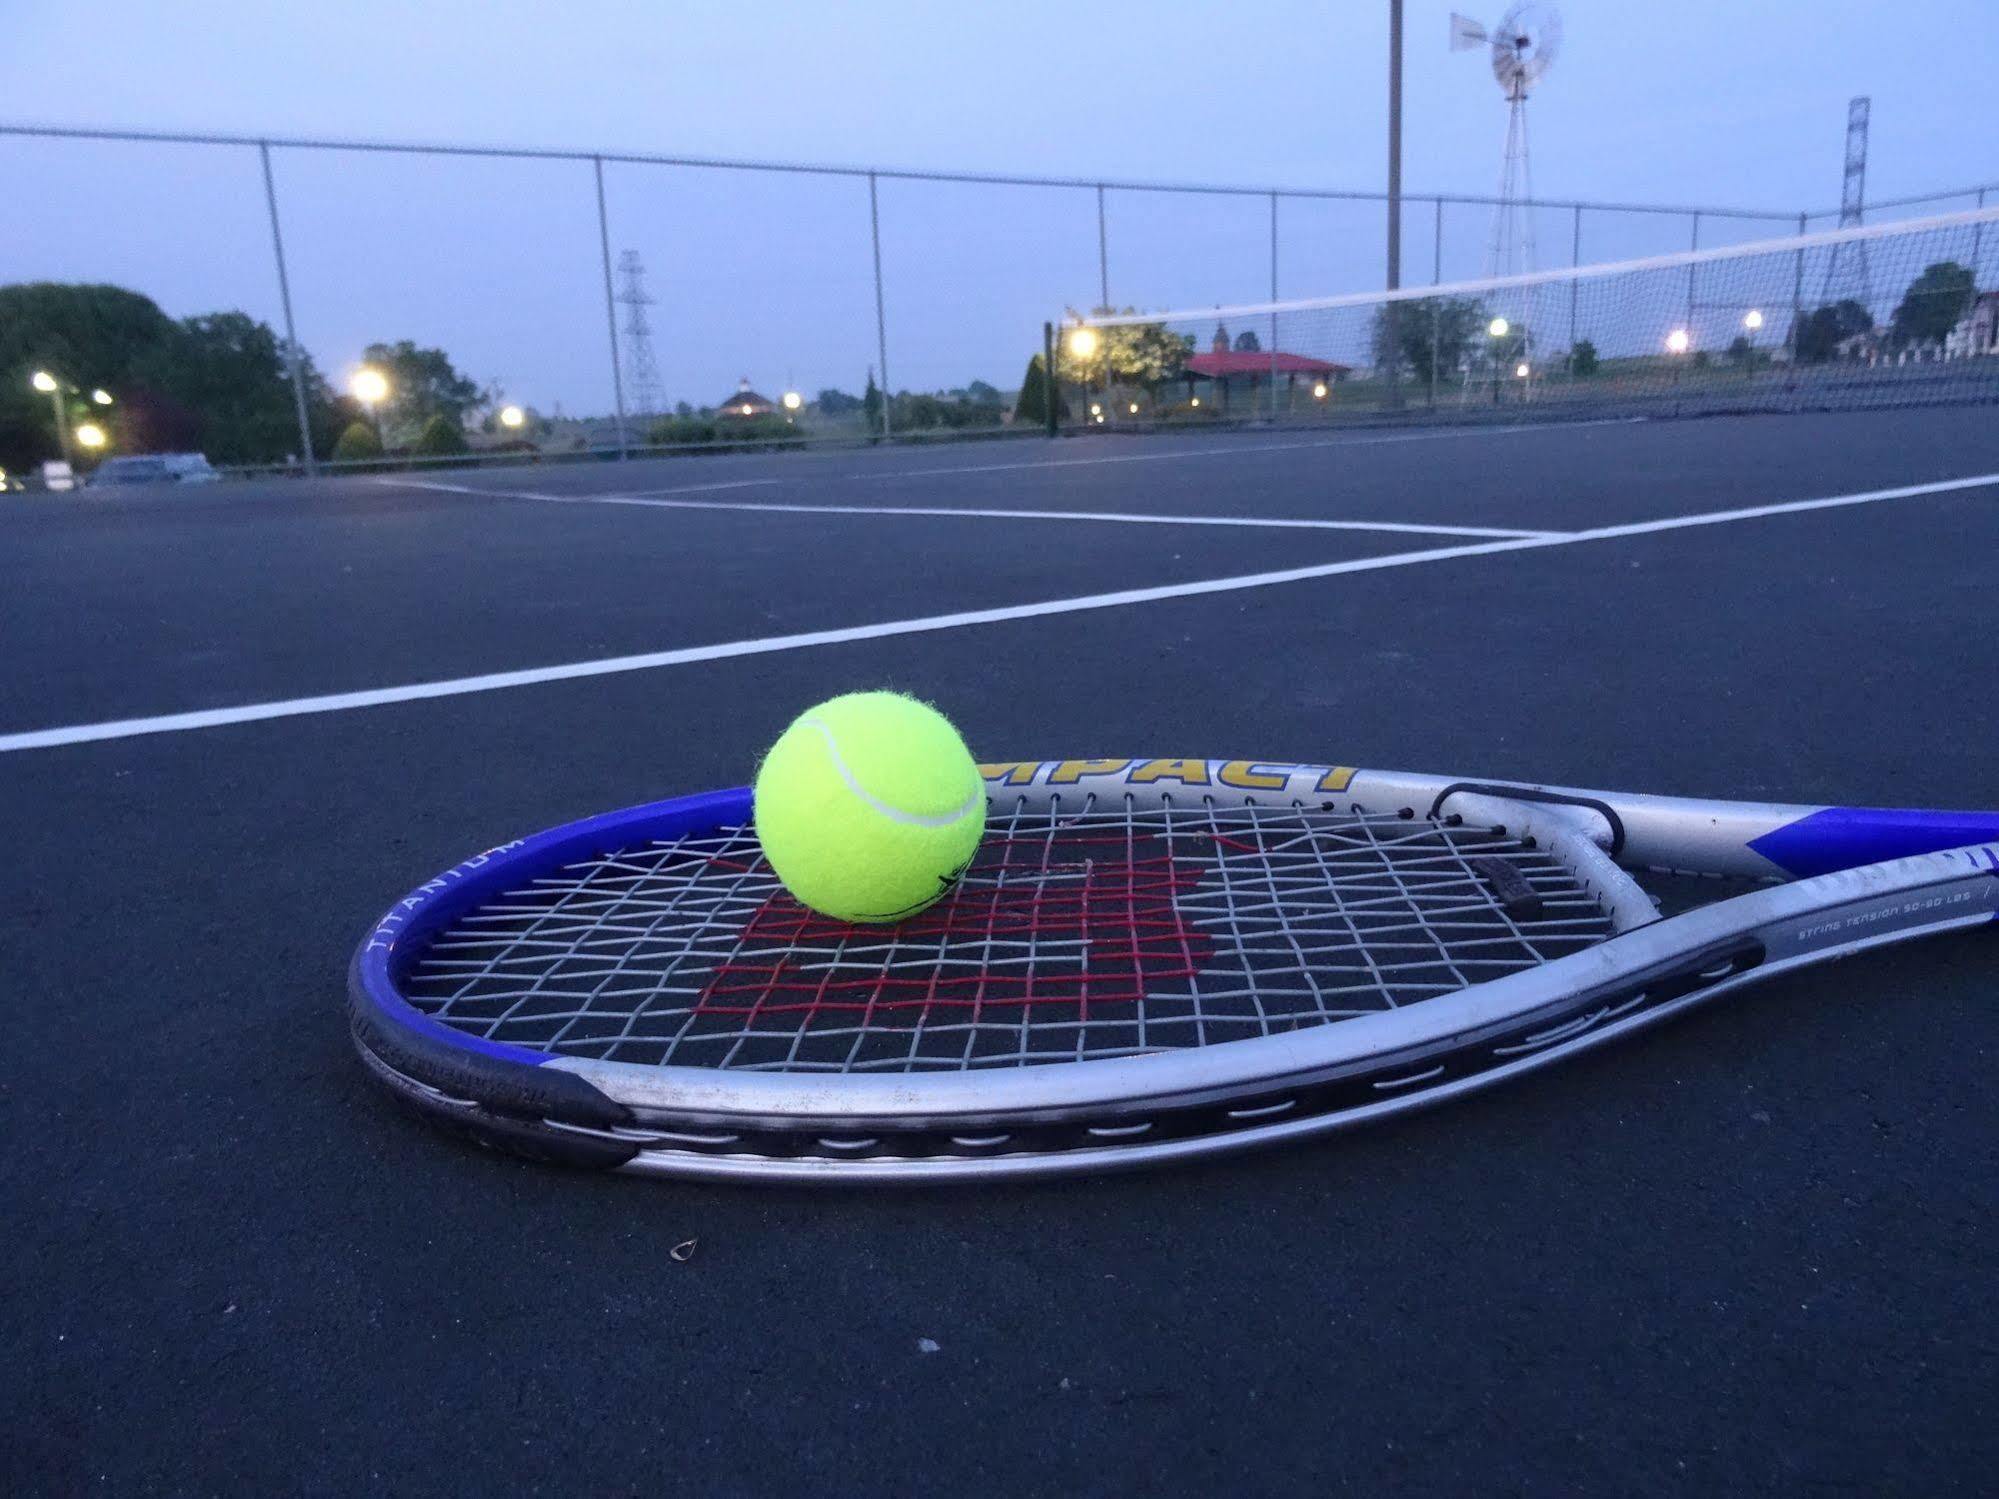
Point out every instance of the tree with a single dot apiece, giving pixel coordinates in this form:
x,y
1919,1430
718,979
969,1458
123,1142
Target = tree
x,y
86,335
1817,335
872,405
982,394
230,368
422,382
1583,361
1145,354
440,438
1436,335
358,441
218,382
1031,408
833,402
1246,342
1934,302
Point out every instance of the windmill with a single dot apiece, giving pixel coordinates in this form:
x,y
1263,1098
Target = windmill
x,y
1523,45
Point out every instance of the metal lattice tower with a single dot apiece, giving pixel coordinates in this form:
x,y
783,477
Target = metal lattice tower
x,y
1846,274
1522,46
641,369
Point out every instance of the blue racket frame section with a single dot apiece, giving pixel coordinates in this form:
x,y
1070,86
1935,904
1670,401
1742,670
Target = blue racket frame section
x,y
403,1037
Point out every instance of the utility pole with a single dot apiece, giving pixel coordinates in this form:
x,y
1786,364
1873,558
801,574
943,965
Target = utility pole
x,y
1391,318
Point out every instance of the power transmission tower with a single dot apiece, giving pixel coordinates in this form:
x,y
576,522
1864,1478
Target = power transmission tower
x,y
641,370
1846,273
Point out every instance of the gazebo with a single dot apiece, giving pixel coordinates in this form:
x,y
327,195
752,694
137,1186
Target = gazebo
x,y
1224,365
744,404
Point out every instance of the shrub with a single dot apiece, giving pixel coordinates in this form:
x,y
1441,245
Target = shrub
x,y
681,429
1583,360
440,438
358,441
1031,409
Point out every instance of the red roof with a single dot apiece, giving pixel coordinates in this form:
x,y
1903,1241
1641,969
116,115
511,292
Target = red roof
x,y
1244,362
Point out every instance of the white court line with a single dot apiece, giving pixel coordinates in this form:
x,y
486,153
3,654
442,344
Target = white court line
x,y
657,499
567,499
337,702
1247,446
1276,523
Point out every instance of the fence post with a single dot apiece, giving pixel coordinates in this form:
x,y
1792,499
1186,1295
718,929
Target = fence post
x,y
1273,311
1103,255
610,307
1797,295
292,353
1436,309
1693,244
1048,387
1575,260
881,313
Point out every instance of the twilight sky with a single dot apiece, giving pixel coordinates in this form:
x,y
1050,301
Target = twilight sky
x,y
1707,102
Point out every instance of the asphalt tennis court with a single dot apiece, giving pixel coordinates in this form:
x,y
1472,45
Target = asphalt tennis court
x,y
1750,1252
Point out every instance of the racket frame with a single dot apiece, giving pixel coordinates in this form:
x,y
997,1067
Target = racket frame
x,y
1116,1112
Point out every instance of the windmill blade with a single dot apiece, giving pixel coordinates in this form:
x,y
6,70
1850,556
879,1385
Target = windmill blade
x,y
1466,33
1524,43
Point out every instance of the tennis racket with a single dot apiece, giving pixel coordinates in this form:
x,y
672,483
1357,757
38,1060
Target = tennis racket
x,y
1148,960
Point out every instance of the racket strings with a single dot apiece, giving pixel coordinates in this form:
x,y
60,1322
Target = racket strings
x,y
1078,933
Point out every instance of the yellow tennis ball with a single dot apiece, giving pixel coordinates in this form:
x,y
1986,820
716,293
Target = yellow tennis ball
x,y
869,806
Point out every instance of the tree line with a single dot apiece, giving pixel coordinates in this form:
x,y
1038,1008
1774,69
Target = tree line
x,y
218,383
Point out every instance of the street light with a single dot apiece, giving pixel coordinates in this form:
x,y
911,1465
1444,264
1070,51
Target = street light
x,y
101,396
43,381
1084,343
793,400
1520,370
1752,319
1134,408
371,387
1677,341
1499,327
90,435
512,416
1319,391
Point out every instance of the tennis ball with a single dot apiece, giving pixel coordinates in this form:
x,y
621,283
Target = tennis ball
x,y
869,806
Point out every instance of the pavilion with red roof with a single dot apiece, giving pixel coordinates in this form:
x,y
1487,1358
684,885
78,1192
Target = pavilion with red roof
x,y
1224,365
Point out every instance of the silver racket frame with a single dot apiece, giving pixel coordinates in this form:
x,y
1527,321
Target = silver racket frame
x,y
1118,1113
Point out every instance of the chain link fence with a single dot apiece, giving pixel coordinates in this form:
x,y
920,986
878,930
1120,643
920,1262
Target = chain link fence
x,y
785,276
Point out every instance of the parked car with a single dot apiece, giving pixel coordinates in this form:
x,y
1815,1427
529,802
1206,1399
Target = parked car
x,y
154,468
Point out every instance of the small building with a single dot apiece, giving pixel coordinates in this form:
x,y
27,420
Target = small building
x,y
1977,332
744,404
1225,366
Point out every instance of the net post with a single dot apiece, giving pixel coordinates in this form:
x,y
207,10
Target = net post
x,y
881,313
610,306
1048,376
293,358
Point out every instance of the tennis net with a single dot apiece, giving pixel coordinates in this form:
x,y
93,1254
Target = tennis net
x,y
1880,315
